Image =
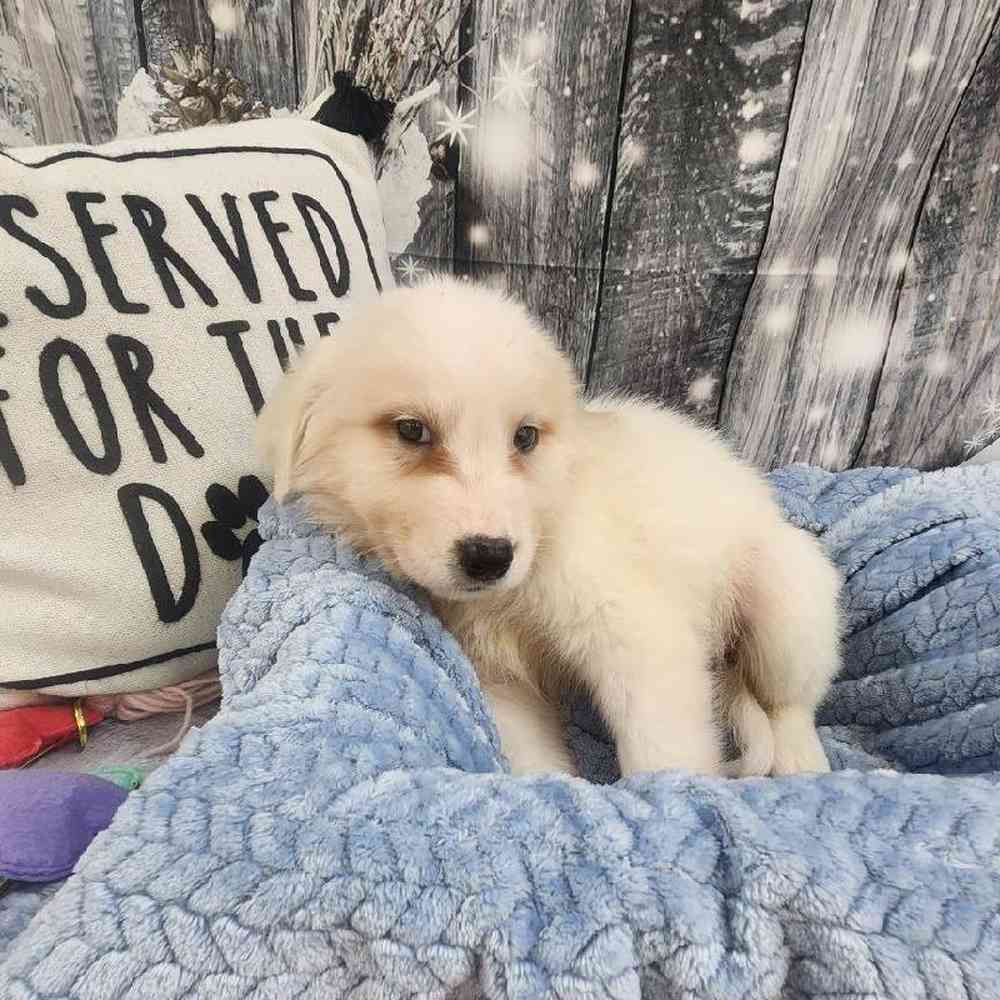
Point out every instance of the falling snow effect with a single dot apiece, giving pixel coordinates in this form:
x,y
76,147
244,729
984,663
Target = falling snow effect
x,y
409,269
701,389
920,59
939,363
505,143
633,153
780,267
830,457
535,44
826,268
479,234
455,125
752,106
225,16
855,345
585,174
780,320
757,146
514,83
898,261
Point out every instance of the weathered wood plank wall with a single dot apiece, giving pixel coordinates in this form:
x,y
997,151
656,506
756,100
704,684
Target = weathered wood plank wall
x,y
939,395
869,117
780,215
709,88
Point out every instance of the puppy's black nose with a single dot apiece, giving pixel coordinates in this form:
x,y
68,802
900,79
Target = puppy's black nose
x,y
485,559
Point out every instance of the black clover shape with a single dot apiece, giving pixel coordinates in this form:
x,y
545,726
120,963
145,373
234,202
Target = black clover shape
x,y
232,511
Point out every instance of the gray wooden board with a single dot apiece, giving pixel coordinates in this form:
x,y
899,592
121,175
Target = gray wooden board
x,y
878,87
252,39
704,119
171,24
938,400
117,46
66,44
305,22
260,48
535,174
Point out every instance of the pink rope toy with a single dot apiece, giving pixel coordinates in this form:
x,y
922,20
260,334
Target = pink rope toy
x,y
183,697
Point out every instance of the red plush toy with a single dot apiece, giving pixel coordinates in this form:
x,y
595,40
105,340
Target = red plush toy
x,y
27,733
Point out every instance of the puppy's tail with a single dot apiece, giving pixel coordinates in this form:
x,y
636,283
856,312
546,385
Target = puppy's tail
x,y
753,734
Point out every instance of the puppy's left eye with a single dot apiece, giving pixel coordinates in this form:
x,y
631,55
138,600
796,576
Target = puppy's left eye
x,y
525,437
413,431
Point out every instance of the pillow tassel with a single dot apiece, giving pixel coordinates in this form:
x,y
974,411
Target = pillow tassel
x,y
352,108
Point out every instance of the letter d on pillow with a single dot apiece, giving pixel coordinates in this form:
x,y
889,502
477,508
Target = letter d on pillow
x,y
151,293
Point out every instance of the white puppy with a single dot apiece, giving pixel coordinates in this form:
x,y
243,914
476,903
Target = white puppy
x,y
610,542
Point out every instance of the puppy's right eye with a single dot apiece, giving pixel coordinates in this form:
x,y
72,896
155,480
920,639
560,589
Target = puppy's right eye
x,y
413,431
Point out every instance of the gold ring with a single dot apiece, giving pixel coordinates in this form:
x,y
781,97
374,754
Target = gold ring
x,y
81,722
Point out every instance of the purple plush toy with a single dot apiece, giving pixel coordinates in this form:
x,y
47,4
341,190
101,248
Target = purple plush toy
x,y
48,819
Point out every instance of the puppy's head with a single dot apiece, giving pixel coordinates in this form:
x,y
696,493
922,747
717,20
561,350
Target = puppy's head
x,y
434,430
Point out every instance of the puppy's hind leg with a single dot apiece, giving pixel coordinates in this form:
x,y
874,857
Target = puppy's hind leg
x,y
788,651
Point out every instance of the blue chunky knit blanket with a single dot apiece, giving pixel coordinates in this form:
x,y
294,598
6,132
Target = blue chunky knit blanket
x,y
345,826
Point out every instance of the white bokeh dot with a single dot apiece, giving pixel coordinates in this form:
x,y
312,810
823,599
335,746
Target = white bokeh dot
x,y
479,234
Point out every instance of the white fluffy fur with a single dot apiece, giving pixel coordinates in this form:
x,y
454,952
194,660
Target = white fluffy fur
x,y
650,564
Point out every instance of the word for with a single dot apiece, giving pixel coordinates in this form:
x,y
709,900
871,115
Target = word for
x,y
64,367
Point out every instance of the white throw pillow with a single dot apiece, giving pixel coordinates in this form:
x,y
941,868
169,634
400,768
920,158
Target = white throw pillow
x,y
151,291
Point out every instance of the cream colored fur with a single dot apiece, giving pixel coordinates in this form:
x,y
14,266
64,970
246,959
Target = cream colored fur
x,y
650,565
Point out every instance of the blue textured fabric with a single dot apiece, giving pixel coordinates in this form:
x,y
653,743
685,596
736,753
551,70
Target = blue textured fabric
x,y
345,827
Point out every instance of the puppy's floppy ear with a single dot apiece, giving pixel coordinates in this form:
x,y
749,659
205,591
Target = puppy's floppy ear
x,y
281,428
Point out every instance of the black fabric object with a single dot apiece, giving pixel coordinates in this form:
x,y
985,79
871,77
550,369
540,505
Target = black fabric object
x,y
353,109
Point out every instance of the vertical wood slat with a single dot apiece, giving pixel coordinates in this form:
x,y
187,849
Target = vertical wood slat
x,y
257,44
116,43
169,24
535,175
308,25
869,116
938,400
67,44
704,119
253,40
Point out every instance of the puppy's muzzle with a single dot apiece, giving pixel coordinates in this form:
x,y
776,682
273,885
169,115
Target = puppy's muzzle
x,y
485,559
